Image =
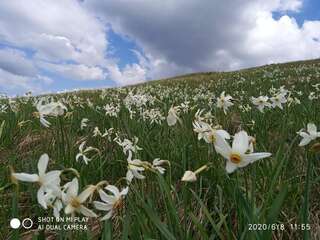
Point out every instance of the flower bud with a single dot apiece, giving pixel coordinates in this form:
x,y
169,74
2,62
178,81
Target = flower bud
x,y
189,176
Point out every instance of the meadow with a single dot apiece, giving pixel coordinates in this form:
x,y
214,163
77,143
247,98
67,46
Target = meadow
x,y
221,155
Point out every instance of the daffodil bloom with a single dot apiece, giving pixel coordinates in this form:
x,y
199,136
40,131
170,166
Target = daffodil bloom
x,y
261,102
108,133
82,153
157,165
202,128
278,100
112,110
239,154
51,109
135,167
172,117
189,176
96,132
134,170
84,123
206,132
198,115
224,102
74,202
310,135
111,202
49,181
128,146
185,106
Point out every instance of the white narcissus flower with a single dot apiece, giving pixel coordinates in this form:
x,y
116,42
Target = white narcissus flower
x,y
206,132
189,176
135,167
261,102
96,132
202,128
129,146
239,154
278,100
224,102
112,110
49,181
82,153
172,117
51,109
74,202
310,135
108,133
157,165
84,123
111,202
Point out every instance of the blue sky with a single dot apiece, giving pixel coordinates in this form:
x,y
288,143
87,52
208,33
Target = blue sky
x,y
44,48
310,11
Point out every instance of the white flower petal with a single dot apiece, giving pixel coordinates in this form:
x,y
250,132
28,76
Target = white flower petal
x,y
129,176
78,156
252,157
83,196
69,209
81,146
171,120
87,212
41,198
240,142
305,141
136,174
222,147
25,177
230,167
42,164
312,128
114,190
107,198
303,134
224,134
73,188
107,216
222,152
52,177
102,206
124,191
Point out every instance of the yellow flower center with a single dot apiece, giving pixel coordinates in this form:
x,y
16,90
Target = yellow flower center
x,y
211,138
40,182
235,158
118,204
36,114
75,203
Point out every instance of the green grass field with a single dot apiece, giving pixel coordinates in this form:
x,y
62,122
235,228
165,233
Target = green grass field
x,y
273,198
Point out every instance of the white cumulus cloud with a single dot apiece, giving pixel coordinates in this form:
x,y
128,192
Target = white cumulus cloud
x,y
69,39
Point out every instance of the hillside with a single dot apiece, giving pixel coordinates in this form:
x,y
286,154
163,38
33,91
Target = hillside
x,y
199,156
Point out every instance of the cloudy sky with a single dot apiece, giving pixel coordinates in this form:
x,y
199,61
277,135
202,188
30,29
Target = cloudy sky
x,y
53,45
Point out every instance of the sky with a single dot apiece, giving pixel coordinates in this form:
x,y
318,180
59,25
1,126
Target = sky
x,y
53,46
